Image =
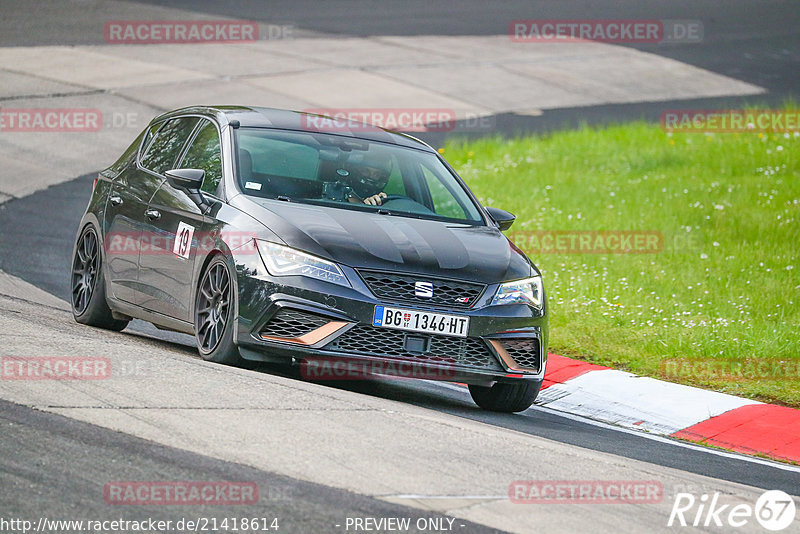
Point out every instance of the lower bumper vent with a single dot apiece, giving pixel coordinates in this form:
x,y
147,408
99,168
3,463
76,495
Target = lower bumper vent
x,y
295,326
372,341
522,354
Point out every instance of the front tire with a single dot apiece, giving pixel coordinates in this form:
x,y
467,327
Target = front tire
x,y
213,316
508,397
88,298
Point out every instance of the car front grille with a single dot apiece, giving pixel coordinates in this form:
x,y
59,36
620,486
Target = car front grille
x,y
401,288
525,352
289,323
445,350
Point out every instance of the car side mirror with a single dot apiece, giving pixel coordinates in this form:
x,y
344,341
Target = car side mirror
x,y
190,181
503,218
186,179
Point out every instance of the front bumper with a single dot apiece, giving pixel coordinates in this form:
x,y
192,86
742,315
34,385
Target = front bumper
x,y
328,327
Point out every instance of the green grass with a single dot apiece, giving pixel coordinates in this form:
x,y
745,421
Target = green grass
x,y
721,291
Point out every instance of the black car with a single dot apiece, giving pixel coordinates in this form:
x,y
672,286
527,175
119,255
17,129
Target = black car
x,y
272,235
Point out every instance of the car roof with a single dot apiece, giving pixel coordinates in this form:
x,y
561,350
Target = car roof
x,y
260,117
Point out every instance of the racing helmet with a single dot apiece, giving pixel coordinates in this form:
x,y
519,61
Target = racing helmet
x,y
370,175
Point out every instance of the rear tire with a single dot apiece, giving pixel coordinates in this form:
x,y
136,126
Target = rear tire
x,y
88,298
213,316
508,397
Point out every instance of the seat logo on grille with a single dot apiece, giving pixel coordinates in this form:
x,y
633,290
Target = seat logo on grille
x,y
423,289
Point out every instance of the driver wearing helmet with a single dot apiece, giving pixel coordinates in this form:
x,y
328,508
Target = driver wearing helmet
x,y
368,179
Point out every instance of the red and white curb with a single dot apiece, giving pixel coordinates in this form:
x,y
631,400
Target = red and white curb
x,y
669,409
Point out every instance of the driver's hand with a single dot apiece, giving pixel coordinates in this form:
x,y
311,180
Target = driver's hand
x,y
375,200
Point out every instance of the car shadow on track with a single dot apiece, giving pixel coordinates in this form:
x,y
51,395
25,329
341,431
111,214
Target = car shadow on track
x,y
410,391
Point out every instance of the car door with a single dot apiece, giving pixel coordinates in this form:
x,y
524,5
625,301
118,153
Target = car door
x,y
131,190
179,225
160,156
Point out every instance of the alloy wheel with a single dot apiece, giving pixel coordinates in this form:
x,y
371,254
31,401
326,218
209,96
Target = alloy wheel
x,y
213,303
85,266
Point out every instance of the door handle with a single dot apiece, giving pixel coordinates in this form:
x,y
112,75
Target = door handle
x,y
152,214
116,200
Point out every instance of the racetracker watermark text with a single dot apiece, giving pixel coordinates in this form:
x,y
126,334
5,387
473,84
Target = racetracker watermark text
x,y
324,369
179,31
586,492
169,493
729,120
401,119
605,31
50,120
589,241
731,370
154,244
54,368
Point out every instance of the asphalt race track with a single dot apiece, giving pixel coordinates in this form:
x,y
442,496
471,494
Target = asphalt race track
x,y
323,453
36,480
755,41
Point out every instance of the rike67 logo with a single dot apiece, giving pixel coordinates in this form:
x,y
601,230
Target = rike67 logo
x,y
774,510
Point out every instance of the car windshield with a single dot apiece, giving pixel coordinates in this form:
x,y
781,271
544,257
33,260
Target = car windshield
x,y
344,172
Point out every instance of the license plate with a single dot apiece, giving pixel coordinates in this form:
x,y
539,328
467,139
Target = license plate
x,y
421,321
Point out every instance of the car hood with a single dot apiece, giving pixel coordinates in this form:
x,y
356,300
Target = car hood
x,y
370,240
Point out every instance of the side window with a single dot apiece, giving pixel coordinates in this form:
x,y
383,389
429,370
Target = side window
x,y
149,134
395,185
204,153
444,203
161,154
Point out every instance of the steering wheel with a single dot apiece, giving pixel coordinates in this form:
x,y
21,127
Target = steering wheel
x,y
410,205
389,198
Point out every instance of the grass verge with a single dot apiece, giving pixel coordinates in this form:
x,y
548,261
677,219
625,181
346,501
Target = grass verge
x,y
713,304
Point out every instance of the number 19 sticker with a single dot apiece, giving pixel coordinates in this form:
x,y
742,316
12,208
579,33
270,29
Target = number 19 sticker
x,y
183,240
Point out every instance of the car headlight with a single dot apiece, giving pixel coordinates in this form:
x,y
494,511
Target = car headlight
x,y
527,291
285,261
